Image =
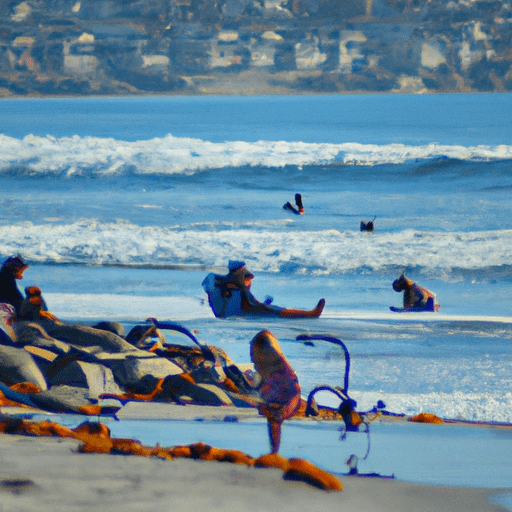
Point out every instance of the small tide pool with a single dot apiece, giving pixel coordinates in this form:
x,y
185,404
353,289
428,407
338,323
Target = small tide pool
x,y
450,455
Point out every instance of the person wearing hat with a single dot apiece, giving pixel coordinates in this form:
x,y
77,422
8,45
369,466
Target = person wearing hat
x,y
240,278
239,274
12,270
230,295
416,298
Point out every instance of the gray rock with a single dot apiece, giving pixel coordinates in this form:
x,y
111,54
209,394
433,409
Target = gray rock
x,y
130,369
95,377
63,399
84,336
17,365
182,391
115,327
31,333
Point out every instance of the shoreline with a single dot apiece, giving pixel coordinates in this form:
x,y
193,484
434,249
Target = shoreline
x,y
202,94
48,474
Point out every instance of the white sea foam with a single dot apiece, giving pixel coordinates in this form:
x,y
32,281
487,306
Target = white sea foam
x,y
329,251
93,156
457,405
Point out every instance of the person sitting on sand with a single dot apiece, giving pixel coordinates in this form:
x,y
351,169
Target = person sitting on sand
x,y
239,278
230,295
416,298
12,270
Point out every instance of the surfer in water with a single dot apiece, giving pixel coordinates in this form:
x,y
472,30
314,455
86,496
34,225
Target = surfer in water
x,y
416,298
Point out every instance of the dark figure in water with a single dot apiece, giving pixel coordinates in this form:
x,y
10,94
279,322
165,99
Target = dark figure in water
x,y
300,207
368,226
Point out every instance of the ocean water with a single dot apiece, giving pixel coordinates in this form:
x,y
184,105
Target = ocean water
x,y
122,205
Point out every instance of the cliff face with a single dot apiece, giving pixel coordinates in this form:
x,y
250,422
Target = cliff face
x,y
82,47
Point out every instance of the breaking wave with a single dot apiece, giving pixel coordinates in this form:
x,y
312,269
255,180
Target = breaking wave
x,y
302,252
96,157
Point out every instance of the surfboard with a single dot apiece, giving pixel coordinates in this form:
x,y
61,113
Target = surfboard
x,y
410,310
222,306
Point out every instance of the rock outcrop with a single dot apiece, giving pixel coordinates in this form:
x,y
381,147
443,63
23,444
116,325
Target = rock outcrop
x,y
77,366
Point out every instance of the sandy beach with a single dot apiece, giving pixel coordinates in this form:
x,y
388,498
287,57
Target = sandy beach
x,y
49,474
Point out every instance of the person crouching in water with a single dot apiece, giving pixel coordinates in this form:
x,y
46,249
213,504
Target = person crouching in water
x,y
416,298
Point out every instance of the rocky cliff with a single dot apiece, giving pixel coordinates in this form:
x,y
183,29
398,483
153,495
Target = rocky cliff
x,y
108,47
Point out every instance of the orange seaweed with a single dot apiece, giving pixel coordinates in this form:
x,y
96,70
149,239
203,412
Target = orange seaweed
x,y
96,439
272,460
11,426
26,387
92,428
206,452
181,451
230,385
426,417
96,444
90,410
304,471
130,447
200,451
163,453
46,428
188,377
10,403
234,456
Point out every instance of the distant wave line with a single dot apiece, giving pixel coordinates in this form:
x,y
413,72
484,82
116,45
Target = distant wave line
x,y
93,156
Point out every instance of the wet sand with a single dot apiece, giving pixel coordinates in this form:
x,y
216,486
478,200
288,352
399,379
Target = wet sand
x,y
48,474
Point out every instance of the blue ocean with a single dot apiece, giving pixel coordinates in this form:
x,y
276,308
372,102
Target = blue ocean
x,y
123,205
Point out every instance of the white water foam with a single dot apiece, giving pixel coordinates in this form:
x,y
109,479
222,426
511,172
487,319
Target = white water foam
x,y
94,156
321,252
